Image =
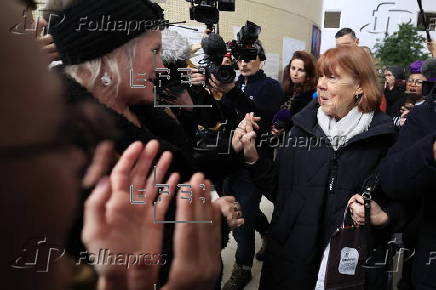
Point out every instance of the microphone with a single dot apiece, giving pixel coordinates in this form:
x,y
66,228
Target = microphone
x,y
175,47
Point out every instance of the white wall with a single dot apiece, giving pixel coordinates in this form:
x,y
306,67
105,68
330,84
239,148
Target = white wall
x,y
357,13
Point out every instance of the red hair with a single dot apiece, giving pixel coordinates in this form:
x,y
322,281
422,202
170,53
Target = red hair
x,y
358,63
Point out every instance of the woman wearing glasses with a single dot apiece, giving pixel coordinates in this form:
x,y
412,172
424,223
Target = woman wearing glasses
x,y
413,94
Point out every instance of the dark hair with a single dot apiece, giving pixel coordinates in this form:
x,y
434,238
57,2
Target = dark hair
x,y
309,83
30,4
345,31
260,50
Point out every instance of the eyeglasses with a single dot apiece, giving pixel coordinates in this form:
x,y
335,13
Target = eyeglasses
x,y
415,81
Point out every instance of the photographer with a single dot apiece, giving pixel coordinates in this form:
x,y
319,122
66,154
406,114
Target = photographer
x,y
253,88
206,123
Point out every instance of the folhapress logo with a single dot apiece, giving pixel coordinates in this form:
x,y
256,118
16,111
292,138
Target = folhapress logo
x,y
37,254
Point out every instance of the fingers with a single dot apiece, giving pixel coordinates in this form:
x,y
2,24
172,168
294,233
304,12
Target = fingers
x,y
228,198
214,80
41,25
248,138
197,78
95,207
254,121
358,213
101,163
157,176
142,166
49,47
164,200
249,123
250,118
197,245
214,85
231,210
123,168
353,199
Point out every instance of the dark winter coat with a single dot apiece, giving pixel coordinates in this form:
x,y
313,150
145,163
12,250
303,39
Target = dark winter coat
x,y
310,185
156,125
394,99
299,101
409,174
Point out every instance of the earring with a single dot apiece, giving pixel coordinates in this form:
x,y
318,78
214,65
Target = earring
x,y
357,97
106,80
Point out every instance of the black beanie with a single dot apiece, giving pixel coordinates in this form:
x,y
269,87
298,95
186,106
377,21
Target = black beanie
x,y
89,29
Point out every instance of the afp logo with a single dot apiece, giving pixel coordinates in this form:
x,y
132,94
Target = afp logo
x,y
38,255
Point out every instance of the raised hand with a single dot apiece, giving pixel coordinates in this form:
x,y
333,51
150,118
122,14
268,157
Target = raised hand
x,y
111,222
249,140
241,131
103,160
197,252
46,41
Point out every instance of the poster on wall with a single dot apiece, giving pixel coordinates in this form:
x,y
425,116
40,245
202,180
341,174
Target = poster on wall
x,y
290,45
316,41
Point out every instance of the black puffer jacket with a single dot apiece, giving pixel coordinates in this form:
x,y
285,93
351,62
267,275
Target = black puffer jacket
x,y
310,185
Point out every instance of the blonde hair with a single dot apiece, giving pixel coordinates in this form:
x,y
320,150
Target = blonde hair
x,y
93,68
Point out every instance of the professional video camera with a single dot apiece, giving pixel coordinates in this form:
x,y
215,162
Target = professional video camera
x,y
215,49
207,11
244,48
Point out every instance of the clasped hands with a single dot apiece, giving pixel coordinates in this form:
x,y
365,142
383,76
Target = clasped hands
x,y
244,137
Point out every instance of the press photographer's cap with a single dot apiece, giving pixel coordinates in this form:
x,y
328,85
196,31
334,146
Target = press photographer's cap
x,y
89,29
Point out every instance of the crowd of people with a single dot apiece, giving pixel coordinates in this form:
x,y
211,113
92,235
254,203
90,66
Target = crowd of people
x,y
104,189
